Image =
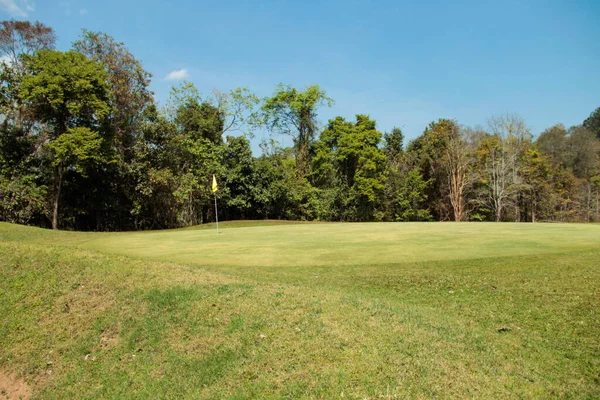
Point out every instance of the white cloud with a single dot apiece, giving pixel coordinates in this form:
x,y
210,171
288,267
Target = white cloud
x,y
66,6
83,11
18,8
178,75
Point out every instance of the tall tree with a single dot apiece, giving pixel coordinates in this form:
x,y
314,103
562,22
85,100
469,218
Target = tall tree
x,y
411,197
19,39
239,185
70,94
457,159
553,142
593,122
494,174
292,112
536,172
513,139
441,164
352,151
128,81
583,150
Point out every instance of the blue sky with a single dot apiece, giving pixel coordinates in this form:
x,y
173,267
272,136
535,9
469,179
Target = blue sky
x,y
404,63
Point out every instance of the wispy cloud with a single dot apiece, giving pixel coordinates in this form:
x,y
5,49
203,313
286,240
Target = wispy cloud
x,y
18,8
66,6
83,11
178,75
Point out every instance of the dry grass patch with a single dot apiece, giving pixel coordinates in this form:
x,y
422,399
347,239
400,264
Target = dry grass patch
x,y
12,388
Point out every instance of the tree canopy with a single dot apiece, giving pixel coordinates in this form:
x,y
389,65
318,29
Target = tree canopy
x,y
84,145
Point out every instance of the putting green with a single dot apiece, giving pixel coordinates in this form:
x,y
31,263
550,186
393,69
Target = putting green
x,y
349,243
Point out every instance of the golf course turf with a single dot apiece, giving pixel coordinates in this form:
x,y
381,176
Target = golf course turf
x,y
276,310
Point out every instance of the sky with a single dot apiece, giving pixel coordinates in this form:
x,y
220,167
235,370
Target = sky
x,y
405,63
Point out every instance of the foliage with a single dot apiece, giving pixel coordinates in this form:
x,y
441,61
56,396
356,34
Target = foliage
x,y
23,38
22,201
84,146
292,112
593,122
69,93
349,158
411,197
129,95
66,90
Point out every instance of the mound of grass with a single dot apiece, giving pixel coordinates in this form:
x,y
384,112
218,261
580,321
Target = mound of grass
x,y
82,318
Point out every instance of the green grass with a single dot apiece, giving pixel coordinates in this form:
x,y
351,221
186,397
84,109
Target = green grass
x,y
270,310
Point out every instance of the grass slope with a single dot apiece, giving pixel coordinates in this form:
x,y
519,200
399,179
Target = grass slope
x,y
335,310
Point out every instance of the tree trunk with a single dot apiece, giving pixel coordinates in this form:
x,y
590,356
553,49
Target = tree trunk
x,y
498,211
597,204
60,173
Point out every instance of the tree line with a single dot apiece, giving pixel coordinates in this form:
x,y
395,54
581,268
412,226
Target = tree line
x,y
84,146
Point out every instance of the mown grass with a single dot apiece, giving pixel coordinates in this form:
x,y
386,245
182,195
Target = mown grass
x,y
81,317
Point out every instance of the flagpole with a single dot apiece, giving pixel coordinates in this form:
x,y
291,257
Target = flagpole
x,y
216,214
214,190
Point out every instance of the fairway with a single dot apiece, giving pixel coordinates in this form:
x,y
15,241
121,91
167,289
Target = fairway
x,y
274,310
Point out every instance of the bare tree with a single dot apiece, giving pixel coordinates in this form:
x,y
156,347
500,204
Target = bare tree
x,y
457,159
23,37
18,38
512,137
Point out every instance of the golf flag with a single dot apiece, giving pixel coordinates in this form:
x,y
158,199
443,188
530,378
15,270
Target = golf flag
x,y
214,185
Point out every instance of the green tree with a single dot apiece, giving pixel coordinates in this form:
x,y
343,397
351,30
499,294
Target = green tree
x,y
439,162
292,112
151,171
239,185
583,149
536,172
393,144
410,203
69,93
553,142
127,79
593,122
348,154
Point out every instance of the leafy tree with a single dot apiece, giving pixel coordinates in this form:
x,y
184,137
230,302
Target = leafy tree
x,y
595,190
553,142
447,155
128,81
393,144
239,184
151,171
352,150
194,116
236,108
292,112
21,199
439,162
70,94
536,172
593,122
410,200
583,151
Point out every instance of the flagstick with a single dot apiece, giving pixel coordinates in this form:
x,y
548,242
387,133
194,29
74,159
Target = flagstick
x,y
216,214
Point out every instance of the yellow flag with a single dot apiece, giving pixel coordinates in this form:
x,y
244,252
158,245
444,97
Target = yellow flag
x,y
214,185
